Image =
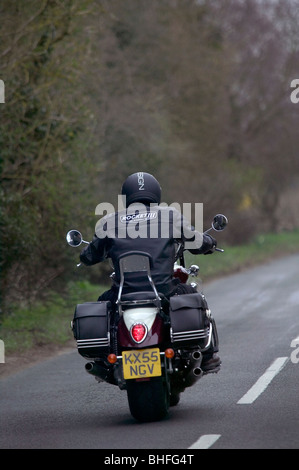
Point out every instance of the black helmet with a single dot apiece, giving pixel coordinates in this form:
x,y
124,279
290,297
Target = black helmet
x,y
141,187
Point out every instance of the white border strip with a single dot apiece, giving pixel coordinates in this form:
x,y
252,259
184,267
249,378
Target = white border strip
x,y
206,441
263,382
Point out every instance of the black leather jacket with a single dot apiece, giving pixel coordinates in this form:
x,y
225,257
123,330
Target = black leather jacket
x,y
156,230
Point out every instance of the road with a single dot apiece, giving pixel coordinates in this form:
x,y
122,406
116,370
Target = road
x,y
252,403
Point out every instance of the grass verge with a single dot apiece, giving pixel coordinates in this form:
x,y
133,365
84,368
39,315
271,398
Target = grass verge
x,y
237,258
45,323
48,323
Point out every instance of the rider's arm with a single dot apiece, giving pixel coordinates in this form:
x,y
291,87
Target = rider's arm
x,y
195,242
208,245
94,253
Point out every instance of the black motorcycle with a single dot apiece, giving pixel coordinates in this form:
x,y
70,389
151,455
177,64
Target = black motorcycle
x,y
147,345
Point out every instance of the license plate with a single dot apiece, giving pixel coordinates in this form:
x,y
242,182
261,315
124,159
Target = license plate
x,y
141,363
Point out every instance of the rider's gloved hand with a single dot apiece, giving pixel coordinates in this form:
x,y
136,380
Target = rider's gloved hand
x,y
209,244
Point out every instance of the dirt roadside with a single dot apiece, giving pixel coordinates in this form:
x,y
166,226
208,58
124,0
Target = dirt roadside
x,y
18,361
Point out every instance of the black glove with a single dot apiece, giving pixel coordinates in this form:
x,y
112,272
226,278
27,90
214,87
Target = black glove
x,y
209,244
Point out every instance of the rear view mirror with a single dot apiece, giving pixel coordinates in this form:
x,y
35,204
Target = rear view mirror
x,y
74,238
219,222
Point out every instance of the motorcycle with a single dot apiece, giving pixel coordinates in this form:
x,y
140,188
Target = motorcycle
x,y
148,345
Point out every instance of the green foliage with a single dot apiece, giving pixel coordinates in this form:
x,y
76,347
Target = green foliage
x,y
46,322
42,139
194,92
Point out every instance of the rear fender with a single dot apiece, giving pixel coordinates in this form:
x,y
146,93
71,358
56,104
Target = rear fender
x,y
150,318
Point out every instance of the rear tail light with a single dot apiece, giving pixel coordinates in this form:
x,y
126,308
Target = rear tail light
x,y
138,332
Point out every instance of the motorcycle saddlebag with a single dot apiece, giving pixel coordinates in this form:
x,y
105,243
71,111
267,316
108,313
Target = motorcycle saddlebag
x,y
190,325
91,328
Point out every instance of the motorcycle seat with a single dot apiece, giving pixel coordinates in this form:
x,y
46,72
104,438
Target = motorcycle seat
x,y
143,295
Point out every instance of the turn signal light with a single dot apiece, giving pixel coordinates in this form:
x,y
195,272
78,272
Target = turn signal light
x,y
169,353
112,358
138,332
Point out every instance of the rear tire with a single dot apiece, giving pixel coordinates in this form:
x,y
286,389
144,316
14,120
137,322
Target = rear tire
x,y
174,399
148,400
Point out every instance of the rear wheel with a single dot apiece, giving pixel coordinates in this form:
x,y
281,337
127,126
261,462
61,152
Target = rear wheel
x,y
174,398
148,400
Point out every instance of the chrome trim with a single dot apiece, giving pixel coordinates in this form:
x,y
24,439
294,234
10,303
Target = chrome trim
x,y
210,337
190,335
93,342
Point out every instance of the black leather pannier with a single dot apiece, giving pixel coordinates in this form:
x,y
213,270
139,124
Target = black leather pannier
x,y
190,324
91,328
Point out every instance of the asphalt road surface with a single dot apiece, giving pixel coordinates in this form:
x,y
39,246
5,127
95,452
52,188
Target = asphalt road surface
x,y
252,403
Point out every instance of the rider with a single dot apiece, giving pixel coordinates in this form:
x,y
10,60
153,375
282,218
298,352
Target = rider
x,y
147,226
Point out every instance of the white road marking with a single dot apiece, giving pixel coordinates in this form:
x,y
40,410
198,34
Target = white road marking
x,y
206,441
263,382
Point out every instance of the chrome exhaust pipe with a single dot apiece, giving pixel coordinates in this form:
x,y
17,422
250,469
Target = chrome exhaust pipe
x,y
193,376
196,355
97,370
198,372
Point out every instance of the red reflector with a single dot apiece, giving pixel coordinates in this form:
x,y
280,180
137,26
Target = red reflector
x,y
138,332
